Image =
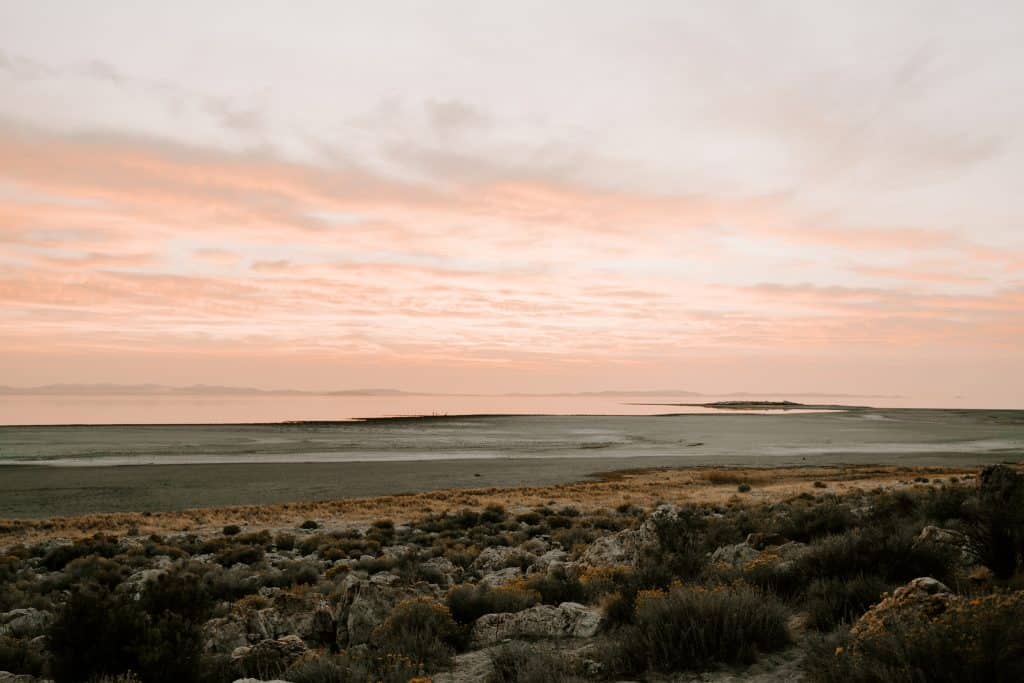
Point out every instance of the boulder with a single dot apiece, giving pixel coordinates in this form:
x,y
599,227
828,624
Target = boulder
x,y
923,597
448,573
782,557
368,602
8,677
627,546
502,577
270,655
735,556
25,623
954,542
1000,484
494,558
548,561
542,622
469,667
760,541
224,634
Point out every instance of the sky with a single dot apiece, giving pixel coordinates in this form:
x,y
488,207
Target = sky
x,y
528,196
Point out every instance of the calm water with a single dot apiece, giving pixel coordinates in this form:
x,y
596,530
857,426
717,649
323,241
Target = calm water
x,y
55,410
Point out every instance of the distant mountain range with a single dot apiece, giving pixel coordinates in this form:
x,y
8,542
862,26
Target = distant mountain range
x,y
217,390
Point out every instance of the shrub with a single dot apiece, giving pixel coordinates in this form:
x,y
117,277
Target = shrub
x,y
468,602
693,627
996,524
421,629
805,522
245,554
95,634
309,524
283,541
493,514
831,601
892,554
820,485
518,662
556,587
976,640
531,518
232,530
17,657
99,633
680,551
604,579
100,545
946,503
352,667
743,488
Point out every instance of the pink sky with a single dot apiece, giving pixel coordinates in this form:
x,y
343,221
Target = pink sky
x,y
712,198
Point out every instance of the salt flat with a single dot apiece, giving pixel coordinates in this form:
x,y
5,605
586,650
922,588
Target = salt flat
x,y
81,469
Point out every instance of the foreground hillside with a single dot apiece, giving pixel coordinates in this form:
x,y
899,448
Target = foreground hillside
x,y
820,574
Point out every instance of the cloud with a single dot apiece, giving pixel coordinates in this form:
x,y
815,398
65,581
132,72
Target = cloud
x,y
123,242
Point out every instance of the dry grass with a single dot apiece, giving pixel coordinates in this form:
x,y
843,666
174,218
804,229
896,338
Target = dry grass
x,y
640,487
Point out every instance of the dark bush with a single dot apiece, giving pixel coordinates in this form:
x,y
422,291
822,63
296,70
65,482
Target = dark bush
x,y
100,545
805,522
493,514
309,524
101,633
283,541
693,628
556,587
468,602
976,641
531,518
18,657
517,662
830,601
244,554
421,629
890,553
232,530
996,520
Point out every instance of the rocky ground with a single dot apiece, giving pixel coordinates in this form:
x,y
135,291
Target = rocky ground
x,y
715,575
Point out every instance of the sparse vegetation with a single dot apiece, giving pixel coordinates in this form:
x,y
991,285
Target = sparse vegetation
x,y
420,586
692,627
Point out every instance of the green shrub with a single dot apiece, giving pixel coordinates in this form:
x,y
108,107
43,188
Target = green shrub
x,y
891,553
100,545
493,514
18,657
831,601
283,541
243,554
96,633
420,629
531,518
99,633
693,627
518,662
352,667
805,522
556,587
469,602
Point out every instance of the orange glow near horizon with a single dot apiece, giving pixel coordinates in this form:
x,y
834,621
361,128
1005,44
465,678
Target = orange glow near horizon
x,y
468,264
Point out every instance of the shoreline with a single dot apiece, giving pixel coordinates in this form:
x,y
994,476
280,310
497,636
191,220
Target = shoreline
x,y
71,491
645,487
